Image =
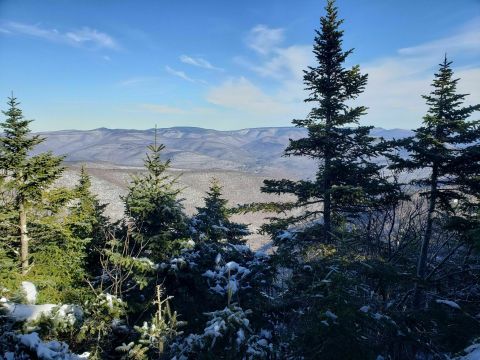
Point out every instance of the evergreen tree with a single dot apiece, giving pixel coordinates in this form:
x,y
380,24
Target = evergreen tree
x,y
347,181
152,204
447,144
212,222
27,176
87,221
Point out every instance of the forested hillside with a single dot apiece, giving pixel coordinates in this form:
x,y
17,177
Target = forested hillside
x,y
257,150
365,264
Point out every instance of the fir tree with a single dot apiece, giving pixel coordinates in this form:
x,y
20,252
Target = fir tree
x,y
153,205
347,181
27,176
87,221
447,145
212,222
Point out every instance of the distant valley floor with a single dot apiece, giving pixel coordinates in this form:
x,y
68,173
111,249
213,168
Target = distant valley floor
x,y
109,183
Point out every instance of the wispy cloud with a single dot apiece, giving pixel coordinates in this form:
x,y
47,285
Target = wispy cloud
x,y
84,37
163,109
199,62
263,39
466,40
138,80
396,83
92,36
282,64
179,74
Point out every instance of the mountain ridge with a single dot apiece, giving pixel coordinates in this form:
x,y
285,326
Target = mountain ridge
x,y
254,150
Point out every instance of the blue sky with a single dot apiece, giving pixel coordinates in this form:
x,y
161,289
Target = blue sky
x,y
221,64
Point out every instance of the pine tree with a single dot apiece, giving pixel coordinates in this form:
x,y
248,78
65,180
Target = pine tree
x,y
87,221
152,203
212,222
26,175
447,144
347,181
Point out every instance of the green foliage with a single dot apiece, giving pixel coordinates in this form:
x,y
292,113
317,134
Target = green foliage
x,y
153,205
86,221
123,270
227,335
447,143
58,256
347,182
212,222
25,176
102,315
156,334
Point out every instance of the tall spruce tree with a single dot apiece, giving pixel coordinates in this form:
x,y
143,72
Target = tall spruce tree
x,y
27,176
212,222
447,145
152,203
347,180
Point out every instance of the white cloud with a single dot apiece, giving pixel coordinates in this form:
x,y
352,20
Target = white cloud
x,y
396,83
85,36
199,62
162,109
263,39
242,95
92,36
179,74
282,65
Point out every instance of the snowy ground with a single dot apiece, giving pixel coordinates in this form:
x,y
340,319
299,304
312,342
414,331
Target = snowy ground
x,y
110,183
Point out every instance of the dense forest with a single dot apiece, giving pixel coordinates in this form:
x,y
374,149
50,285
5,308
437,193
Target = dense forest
x,y
376,257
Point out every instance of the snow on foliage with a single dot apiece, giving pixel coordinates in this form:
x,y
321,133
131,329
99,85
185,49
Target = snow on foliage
x,y
471,353
331,315
364,309
450,303
30,292
25,312
31,345
226,331
227,279
187,260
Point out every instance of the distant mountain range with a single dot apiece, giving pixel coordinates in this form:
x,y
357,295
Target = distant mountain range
x,y
255,150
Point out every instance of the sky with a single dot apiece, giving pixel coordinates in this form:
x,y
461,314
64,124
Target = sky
x,y
222,64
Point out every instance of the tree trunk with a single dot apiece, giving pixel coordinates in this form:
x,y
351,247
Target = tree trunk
x,y
23,237
422,259
327,204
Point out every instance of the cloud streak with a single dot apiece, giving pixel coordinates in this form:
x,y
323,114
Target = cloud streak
x,y
180,74
84,37
139,80
198,62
